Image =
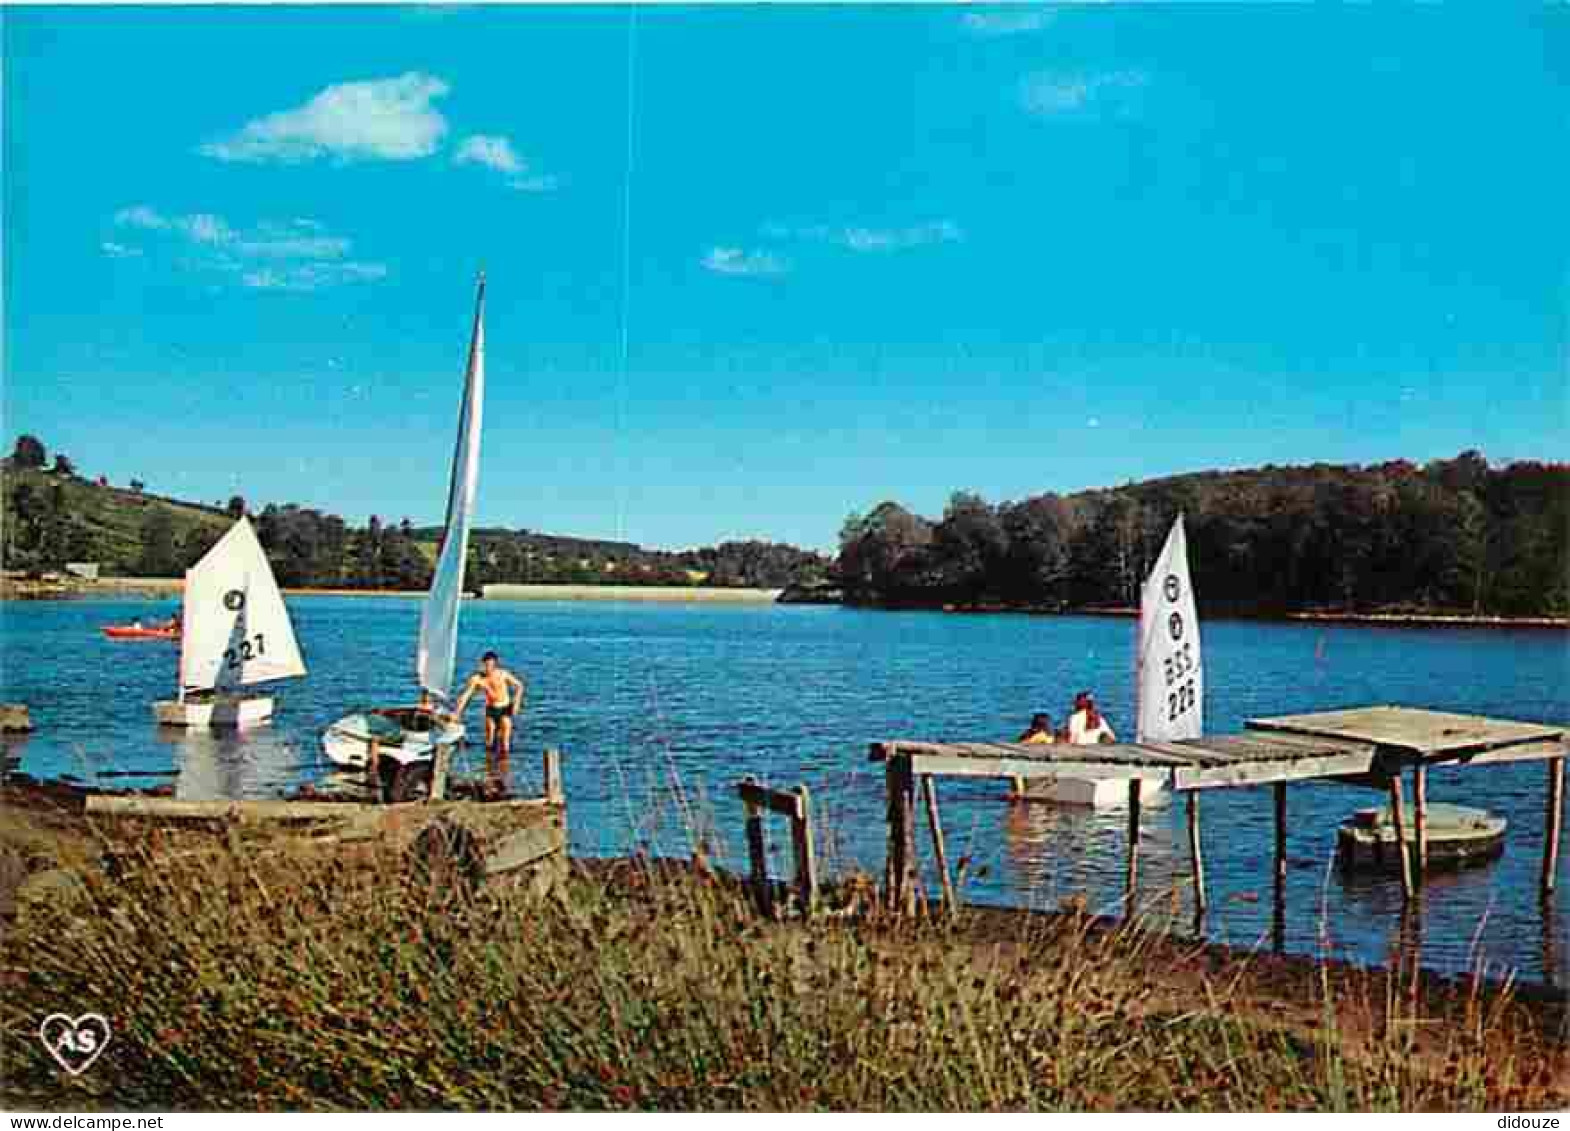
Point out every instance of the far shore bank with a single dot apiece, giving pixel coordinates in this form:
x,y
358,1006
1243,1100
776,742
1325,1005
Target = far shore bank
x,y
1375,620
665,594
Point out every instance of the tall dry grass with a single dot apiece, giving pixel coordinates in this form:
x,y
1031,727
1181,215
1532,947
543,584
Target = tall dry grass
x,y
284,982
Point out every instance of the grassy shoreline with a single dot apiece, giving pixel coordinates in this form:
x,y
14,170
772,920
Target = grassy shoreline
x,y
269,981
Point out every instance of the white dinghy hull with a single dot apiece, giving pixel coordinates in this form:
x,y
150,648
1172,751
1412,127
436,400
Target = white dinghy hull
x,y
214,714
1098,789
406,734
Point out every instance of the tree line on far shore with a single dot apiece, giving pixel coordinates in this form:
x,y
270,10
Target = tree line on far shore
x,y
50,515
1455,535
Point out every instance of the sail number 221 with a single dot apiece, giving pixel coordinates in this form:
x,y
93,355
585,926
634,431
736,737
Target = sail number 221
x,y
244,651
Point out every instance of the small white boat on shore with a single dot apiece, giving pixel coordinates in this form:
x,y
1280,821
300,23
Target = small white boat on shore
x,y
235,632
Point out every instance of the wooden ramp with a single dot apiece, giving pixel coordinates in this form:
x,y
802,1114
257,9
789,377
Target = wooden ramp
x,y
1372,746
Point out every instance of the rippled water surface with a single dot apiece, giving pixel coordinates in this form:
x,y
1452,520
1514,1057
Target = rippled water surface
x,y
661,708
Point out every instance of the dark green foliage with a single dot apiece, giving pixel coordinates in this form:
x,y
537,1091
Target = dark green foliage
x,y
29,453
160,557
1455,536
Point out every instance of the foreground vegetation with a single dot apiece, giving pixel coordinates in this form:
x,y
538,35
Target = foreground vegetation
x,y
268,981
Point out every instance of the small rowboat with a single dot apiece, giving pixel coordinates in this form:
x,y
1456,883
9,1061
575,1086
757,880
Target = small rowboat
x,y
1457,837
136,632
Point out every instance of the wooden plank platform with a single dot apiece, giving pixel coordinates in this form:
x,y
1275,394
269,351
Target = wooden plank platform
x,y
1371,741
1430,735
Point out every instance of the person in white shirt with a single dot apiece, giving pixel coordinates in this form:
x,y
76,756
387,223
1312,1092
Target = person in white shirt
x,y
1086,726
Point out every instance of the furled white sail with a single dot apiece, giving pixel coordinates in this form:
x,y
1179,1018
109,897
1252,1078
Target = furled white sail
x,y
438,648
1170,674
236,629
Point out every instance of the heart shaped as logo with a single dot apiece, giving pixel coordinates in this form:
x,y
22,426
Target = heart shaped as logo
x,y
75,1044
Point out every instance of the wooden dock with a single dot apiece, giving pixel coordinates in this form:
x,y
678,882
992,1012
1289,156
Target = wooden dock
x,y
1370,746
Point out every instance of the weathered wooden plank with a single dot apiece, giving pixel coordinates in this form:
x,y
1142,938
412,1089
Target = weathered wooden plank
x,y
947,765
551,770
1553,825
1196,856
774,800
1420,822
1523,752
929,794
757,858
806,852
899,786
522,848
1265,773
253,812
1398,824
1131,880
441,765
1413,728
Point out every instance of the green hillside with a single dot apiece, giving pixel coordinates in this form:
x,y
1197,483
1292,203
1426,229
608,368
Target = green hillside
x,y
50,517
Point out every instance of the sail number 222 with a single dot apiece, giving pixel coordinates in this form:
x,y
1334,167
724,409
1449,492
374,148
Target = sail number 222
x,y
1175,667
244,651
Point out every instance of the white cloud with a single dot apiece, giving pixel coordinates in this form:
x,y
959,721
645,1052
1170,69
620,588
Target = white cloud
x,y
140,216
311,276
543,183
119,250
293,255
1048,93
737,261
1007,21
380,119
899,239
492,151
864,239
204,227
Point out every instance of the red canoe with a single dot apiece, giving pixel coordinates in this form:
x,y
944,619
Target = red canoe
x,y
131,632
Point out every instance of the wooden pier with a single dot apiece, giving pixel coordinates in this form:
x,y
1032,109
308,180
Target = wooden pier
x,y
1373,747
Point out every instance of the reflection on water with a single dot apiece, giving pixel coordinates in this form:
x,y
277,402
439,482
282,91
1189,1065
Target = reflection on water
x,y
661,709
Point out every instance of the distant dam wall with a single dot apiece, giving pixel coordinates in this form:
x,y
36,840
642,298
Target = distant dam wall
x,y
669,594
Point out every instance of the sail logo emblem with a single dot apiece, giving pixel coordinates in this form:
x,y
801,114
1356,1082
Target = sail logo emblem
x,y
1172,587
234,600
1175,625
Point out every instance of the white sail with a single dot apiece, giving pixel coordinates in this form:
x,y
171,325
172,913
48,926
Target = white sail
x,y
1169,672
438,648
235,629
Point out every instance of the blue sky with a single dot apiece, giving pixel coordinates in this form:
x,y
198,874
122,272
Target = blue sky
x,y
873,251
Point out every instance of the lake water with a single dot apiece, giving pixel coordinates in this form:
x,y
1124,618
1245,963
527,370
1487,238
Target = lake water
x,y
661,708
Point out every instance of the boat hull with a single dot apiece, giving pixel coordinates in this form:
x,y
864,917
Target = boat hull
x,y
1095,788
418,733
1457,838
214,714
130,632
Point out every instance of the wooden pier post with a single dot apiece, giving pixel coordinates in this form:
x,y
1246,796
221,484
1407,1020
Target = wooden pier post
x,y
1398,819
441,766
1196,855
1553,824
552,775
806,852
1131,883
900,868
757,854
1419,823
929,794
1279,902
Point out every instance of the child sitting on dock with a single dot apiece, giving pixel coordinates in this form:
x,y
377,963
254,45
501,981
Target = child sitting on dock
x,y
1086,726
1039,732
